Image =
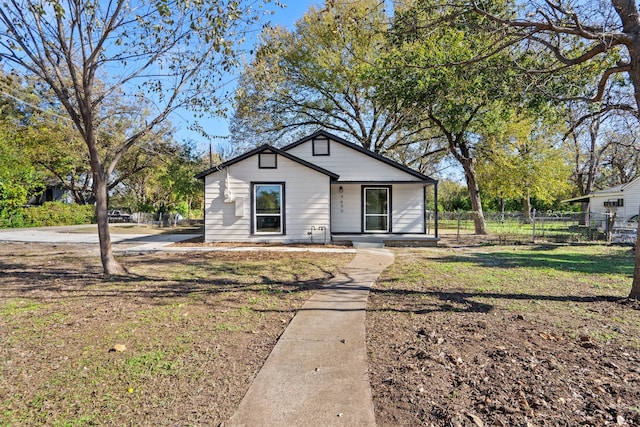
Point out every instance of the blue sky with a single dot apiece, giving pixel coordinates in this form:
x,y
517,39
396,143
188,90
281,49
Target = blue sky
x,y
219,127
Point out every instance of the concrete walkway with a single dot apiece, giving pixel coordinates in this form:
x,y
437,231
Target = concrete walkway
x,y
317,373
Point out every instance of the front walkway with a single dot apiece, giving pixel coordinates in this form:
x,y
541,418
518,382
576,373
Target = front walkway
x,y
317,374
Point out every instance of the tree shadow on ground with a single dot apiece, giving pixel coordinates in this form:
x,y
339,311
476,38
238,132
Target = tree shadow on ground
x,y
414,302
59,282
546,257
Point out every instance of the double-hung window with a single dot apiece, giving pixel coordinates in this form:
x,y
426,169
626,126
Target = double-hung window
x,y
268,203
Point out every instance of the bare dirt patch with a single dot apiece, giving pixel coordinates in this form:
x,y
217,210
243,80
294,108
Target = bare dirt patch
x,y
199,242
497,336
175,343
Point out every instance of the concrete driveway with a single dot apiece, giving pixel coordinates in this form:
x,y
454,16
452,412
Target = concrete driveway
x,y
136,243
80,234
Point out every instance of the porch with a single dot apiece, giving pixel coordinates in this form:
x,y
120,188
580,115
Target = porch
x,y
390,240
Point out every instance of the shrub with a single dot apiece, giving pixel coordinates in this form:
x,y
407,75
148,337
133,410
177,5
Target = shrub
x,y
50,213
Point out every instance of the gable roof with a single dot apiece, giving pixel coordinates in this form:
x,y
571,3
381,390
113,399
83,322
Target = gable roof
x,y
615,191
363,151
262,149
617,188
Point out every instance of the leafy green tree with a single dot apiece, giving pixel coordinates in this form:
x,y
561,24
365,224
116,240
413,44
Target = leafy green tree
x,y
163,55
166,180
54,148
19,179
520,161
453,196
180,179
428,71
319,75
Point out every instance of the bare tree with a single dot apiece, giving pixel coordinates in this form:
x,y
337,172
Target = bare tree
x,y
576,33
165,55
587,147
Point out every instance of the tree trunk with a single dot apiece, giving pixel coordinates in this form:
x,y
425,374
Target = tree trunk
x,y
109,264
474,196
584,213
526,208
627,11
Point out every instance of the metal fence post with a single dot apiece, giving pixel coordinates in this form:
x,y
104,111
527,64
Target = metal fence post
x,y
459,217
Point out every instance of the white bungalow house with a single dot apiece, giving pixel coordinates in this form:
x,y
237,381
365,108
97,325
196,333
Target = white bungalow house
x,y
316,190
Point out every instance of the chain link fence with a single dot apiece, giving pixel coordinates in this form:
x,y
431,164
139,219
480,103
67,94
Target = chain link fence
x,y
162,219
516,227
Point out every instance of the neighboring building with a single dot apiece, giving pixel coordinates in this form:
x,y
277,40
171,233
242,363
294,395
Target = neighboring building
x,y
318,189
53,192
623,200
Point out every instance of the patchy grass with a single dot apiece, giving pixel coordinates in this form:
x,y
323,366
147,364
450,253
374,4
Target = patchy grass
x,y
134,228
195,329
505,336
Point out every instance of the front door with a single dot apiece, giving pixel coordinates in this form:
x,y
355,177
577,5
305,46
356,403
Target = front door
x,y
376,209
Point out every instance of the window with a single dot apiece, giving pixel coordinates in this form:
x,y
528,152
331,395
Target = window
x,y
376,209
268,212
614,203
320,146
267,160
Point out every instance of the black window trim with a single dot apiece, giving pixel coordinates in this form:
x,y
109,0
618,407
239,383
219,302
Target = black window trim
x,y
318,139
283,232
275,160
363,189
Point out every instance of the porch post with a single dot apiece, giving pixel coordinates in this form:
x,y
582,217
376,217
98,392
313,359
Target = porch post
x,y
435,209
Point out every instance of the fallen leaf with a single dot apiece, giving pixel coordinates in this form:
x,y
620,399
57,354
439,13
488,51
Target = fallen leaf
x,y
475,419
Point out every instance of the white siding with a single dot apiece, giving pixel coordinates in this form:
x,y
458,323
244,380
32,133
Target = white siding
x,y
306,196
631,200
346,208
407,208
597,205
407,214
351,164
